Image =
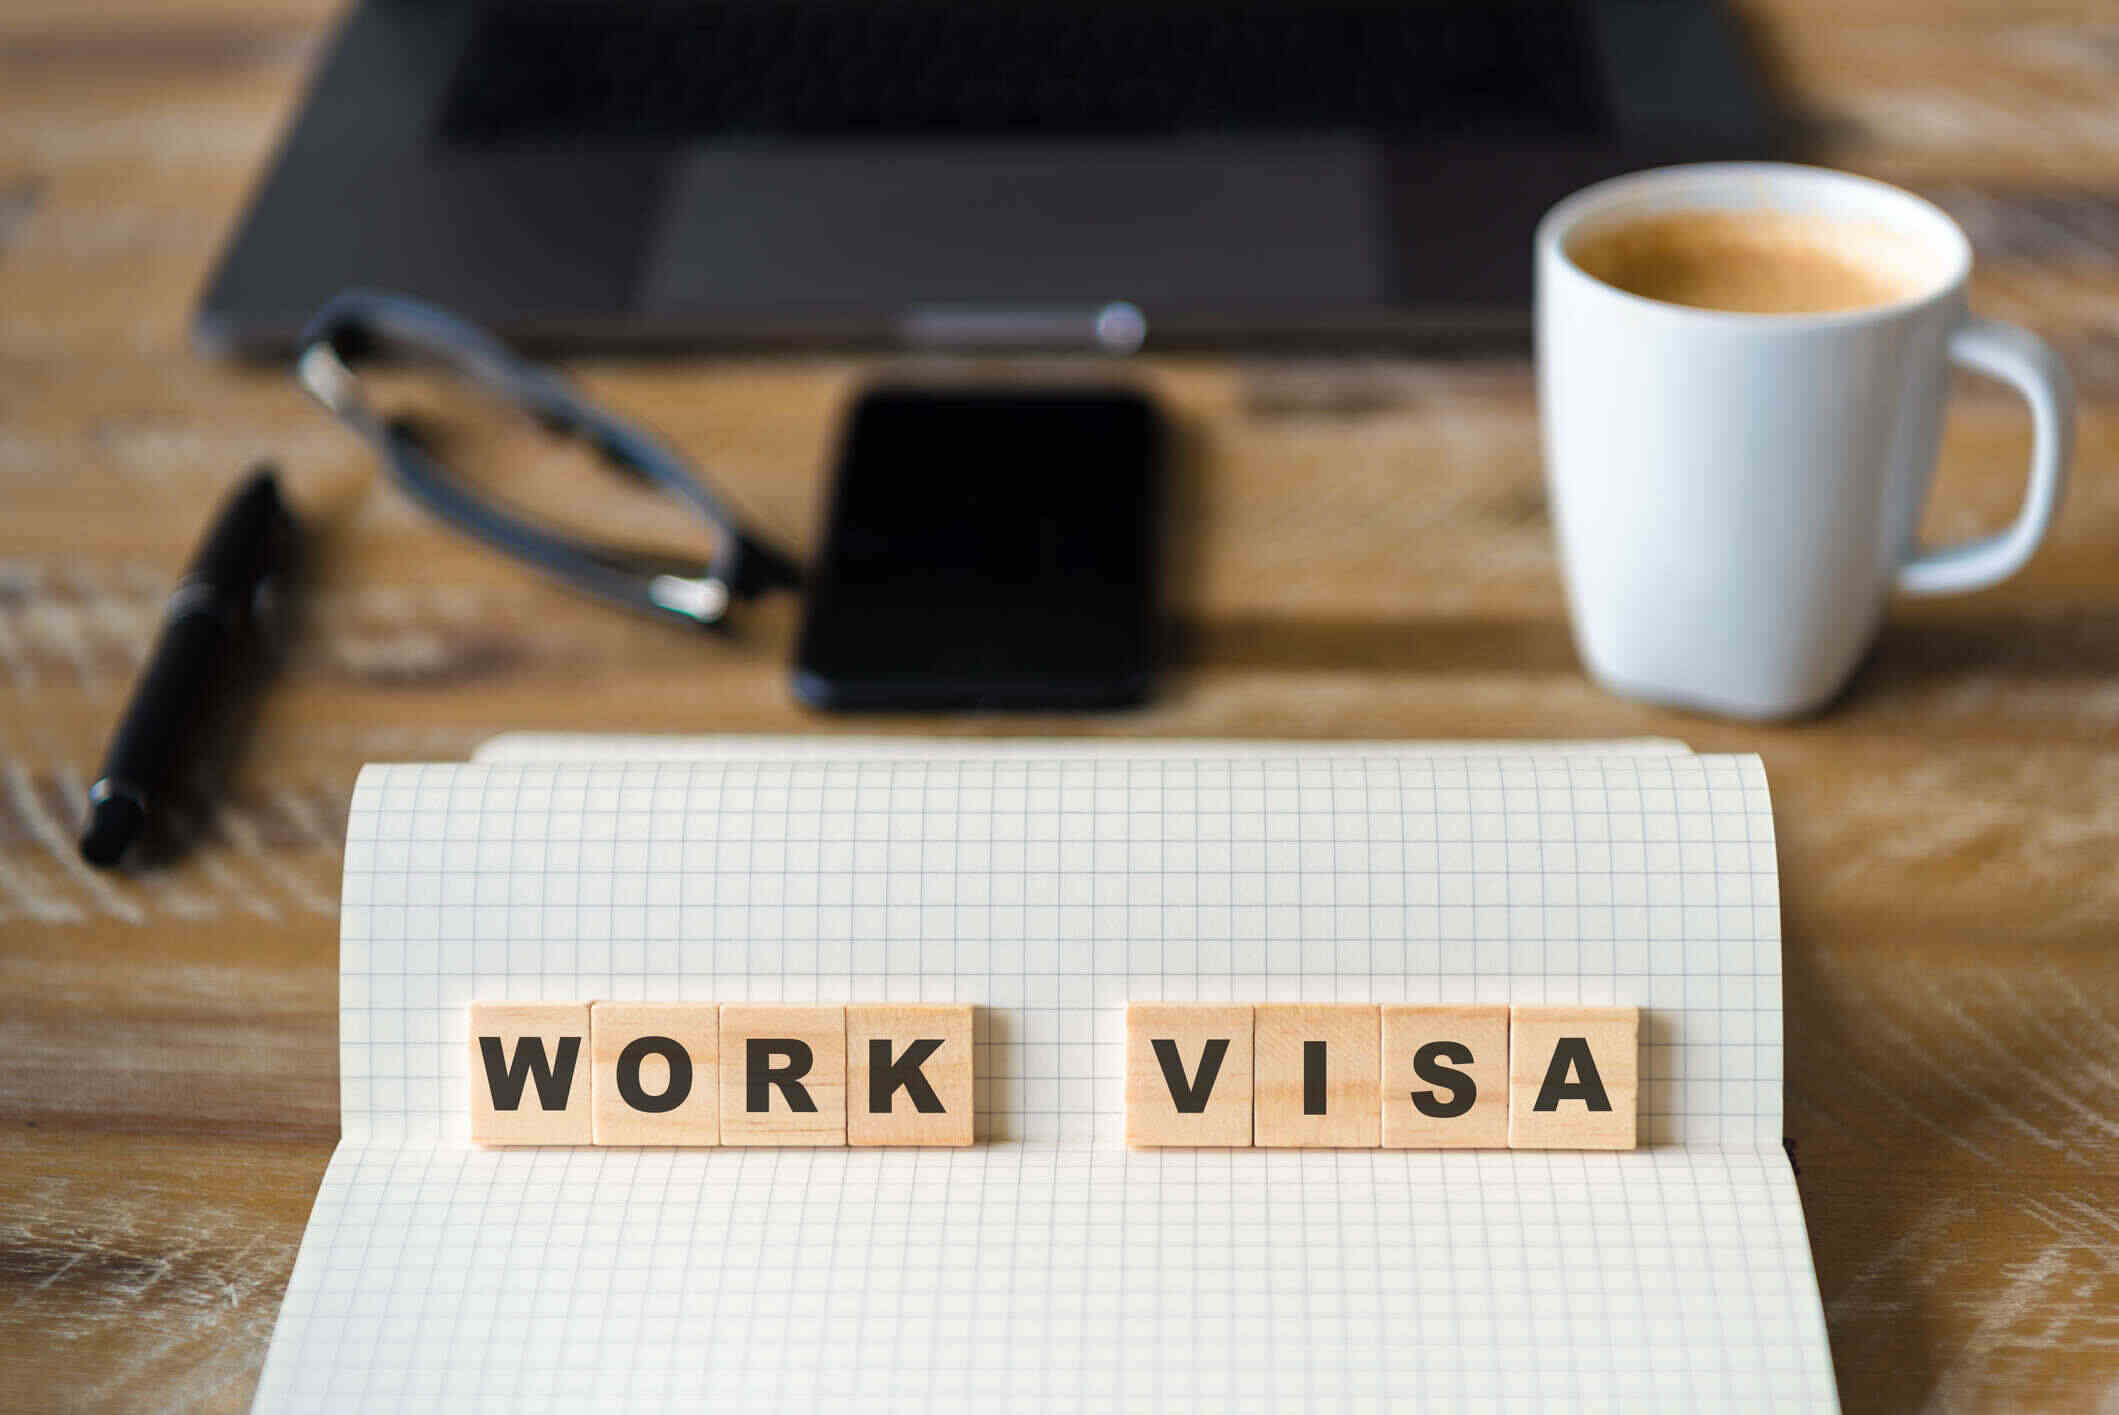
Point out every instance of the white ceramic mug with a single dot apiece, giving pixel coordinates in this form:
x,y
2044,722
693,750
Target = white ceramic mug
x,y
1736,495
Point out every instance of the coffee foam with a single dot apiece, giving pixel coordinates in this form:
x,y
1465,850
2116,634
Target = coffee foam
x,y
1757,260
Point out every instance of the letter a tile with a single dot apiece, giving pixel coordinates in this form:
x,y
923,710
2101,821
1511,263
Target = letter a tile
x,y
783,1075
1574,1080
530,1073
908,1075
1188,1074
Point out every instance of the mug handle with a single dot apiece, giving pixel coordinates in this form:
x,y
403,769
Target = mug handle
x,y
2023,360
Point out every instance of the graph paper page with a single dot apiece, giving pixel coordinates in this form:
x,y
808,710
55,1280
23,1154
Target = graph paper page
x,y
1048,1267
725,746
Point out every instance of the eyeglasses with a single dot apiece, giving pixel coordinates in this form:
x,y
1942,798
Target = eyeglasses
x,y
358,323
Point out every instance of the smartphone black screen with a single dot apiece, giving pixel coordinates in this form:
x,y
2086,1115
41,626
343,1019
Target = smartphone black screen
x,y
986,549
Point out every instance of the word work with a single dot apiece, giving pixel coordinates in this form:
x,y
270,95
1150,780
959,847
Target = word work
x,y
664,1074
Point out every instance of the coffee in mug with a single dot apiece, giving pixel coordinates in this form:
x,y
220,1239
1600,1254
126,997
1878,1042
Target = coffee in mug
x,y
1741,376
1756,262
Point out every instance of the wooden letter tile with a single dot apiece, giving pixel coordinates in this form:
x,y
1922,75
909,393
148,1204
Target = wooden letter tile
x,y
1574,1077
908,1075
1319,1075
530,1073
657,1073
783,1075
1445,1078
1188,1074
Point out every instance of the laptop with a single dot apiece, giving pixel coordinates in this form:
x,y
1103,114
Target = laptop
x,y
1074,173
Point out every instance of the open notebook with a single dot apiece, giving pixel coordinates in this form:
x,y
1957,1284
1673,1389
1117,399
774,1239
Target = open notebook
x,y
1048,1267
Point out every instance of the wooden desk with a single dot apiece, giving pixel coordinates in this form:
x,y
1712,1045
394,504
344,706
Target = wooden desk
x,y
1362,552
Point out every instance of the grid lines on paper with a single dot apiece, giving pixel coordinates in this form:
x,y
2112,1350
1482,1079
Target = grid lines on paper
x,y
1054,1278
1048,1267
1051,893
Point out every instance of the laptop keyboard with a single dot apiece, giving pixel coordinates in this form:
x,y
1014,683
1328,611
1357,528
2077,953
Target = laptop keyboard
x,y
686,69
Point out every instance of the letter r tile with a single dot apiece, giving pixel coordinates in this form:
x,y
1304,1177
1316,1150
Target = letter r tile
x,y
1188,1075
908,1075
529,1073
783,1075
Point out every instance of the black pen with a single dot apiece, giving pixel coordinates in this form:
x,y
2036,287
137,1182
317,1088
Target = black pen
x,y
213,614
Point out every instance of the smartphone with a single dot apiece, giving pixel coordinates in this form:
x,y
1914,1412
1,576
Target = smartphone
x,y
986,548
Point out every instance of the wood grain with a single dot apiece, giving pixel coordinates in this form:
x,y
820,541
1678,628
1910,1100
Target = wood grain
x,y
1358,549
685,1078
531,1077
1195,1030
1574,1078
809,1049
1317,1076
1433,1056
947,1069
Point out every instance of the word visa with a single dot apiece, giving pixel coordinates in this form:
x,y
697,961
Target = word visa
x,y
648,1073
1357,1076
